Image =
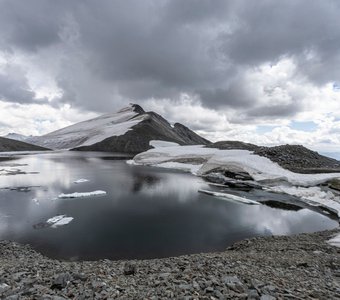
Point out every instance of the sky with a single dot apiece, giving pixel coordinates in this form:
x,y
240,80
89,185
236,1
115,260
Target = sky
x,y
265,72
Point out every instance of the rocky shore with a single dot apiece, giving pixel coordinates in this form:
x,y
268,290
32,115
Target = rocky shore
x,y
303,266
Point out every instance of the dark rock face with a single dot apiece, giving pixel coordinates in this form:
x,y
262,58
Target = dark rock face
x,y
188,135
296,158
7,145
153,127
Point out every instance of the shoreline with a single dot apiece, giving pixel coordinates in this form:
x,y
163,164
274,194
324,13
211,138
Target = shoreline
x,y
276,267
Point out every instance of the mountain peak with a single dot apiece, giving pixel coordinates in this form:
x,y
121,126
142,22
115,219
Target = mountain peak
x,y
137,108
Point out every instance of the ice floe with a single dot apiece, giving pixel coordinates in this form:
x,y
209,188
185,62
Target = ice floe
x,y
81,180
36,201
228,196
81,195
59,220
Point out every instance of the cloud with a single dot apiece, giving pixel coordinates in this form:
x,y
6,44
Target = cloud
x,y
14,86
242,63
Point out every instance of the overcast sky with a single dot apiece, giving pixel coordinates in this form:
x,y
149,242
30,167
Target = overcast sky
x,y
266,72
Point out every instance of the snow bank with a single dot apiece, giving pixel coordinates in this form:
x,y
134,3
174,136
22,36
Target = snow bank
x,y
230,197
180,166
81,180
80,195
258,167
335,241
200,161
160,144
311,195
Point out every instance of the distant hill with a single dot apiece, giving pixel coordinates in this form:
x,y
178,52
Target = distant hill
x,y
7,145
128,130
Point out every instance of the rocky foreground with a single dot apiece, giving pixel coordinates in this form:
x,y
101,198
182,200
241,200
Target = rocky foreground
x,y
287,267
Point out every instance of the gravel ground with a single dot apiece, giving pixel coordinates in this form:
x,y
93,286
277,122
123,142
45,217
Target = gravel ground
x,y
288,267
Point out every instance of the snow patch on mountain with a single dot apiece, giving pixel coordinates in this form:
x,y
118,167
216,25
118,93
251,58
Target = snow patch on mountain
x,y
91,131
17,136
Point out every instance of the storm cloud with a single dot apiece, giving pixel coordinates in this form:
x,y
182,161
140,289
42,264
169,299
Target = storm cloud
x,y
100,55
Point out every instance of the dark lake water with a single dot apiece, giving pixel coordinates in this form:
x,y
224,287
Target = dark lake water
x,y
146,213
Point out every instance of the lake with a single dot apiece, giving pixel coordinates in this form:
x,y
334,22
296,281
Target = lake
x,y
146,213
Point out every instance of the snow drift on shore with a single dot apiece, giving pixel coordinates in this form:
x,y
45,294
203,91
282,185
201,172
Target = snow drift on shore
x,y
259,168
200,161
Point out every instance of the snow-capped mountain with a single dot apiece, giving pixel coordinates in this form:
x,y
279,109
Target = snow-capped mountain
x,y
17,136
128,130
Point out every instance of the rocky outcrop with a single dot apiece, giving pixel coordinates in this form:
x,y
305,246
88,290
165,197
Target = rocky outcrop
x,y
295,158
7,145
299,159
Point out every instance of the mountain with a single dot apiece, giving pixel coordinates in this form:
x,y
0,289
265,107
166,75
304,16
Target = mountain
x,y
17,136
296,158
128,130
7,145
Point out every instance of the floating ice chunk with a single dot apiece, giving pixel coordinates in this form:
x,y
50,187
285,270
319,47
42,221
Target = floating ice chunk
x,y
231,197
56,221
80,195
81,180
161,144
36,201
63,221
335,241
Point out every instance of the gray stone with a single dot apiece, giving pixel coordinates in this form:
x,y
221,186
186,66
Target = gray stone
x,y
61,281
267,297
4,287
253,294
130,268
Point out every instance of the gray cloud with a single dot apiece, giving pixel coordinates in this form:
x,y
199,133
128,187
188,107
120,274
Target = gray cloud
x,y
14,86
112,52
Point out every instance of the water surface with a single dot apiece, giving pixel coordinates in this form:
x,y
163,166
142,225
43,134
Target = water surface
x,y
147,212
